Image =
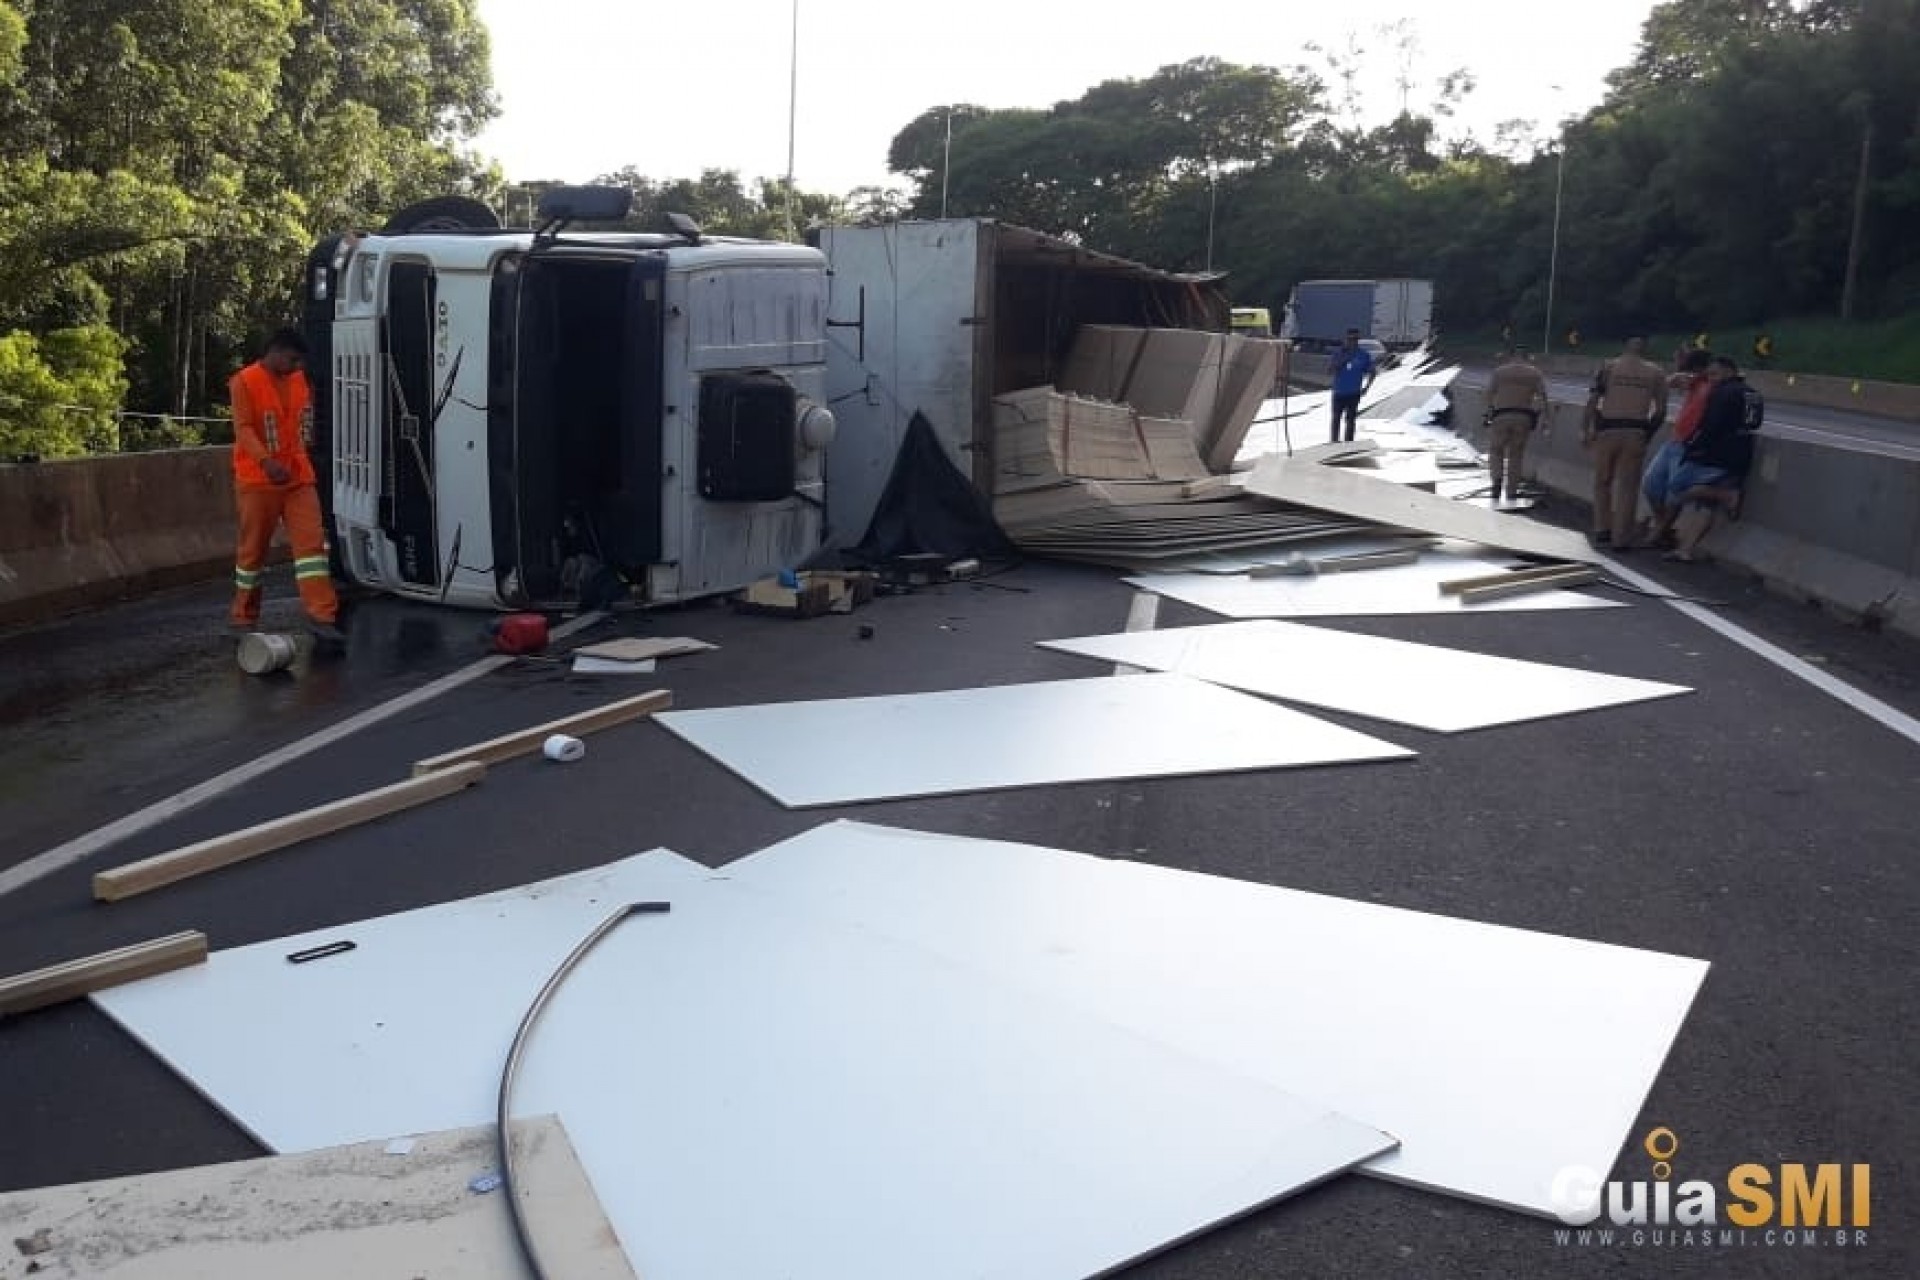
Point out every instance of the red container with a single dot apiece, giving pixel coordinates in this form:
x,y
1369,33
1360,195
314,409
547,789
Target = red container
x,y
519,633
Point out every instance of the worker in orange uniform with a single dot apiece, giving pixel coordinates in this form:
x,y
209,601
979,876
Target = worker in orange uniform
x,y
273,481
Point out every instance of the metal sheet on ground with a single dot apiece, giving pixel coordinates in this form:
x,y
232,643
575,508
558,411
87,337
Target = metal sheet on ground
x,y
848,750
1396,589
753,1088
1231,562
1343,492
372,1209
1499,1057
241,1032
1427,686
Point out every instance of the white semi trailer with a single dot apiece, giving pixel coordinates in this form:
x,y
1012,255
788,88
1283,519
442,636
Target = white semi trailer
x,y
518,418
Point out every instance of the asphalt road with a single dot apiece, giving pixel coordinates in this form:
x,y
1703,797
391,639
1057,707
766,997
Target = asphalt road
x,y
1757,823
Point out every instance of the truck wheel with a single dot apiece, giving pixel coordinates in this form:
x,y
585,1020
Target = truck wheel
x,y
442,213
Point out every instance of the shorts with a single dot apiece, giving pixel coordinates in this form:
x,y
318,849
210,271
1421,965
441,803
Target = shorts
x,y
1658,478
1694,475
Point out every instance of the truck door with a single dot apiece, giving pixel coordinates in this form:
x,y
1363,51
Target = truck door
x,y
407,345
574,419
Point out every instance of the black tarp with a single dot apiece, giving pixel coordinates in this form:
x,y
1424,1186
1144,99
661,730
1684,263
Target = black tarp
x,y
929,508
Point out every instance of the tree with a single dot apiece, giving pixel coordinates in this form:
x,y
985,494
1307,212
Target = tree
x,y
58,394
165,164
1128,164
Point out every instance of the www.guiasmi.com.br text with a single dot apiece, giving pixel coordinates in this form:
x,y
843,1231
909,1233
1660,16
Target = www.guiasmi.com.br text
x,y
1711,1237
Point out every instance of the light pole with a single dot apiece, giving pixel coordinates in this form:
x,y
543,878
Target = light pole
x,y
1553,255
946,161
793,107
1213,192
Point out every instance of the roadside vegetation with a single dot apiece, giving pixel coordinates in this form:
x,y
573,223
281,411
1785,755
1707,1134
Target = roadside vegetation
x,y
1873,350
165,165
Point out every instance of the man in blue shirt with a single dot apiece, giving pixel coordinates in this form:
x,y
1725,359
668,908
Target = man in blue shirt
x,y
1352,370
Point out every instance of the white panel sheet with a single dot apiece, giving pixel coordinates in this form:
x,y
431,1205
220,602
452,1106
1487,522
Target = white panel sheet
x,y
846,750
1427,686
754,1089
405,1030
1345,492
1398,589
1497,1056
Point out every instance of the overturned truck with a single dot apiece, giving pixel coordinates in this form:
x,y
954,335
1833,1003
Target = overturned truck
x,y
946,318
524,418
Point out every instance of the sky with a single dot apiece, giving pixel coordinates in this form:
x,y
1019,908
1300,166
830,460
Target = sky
x,y
590,86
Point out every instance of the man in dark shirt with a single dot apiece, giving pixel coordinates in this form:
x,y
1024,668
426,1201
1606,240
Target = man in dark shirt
x,y
1720,453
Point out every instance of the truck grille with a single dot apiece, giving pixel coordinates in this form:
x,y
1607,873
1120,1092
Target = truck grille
x,y
356,423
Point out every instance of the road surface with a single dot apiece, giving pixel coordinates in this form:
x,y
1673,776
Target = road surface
x,y
1757,823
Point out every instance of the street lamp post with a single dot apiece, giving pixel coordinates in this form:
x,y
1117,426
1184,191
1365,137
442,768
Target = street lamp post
x,y
946,161
1553,254
1213,186
793,107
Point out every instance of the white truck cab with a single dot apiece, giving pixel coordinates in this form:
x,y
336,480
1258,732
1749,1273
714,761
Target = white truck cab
x,y
513,419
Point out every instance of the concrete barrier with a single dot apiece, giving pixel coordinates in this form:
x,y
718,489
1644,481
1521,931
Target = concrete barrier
x,y
1835,526
76,533
1882,399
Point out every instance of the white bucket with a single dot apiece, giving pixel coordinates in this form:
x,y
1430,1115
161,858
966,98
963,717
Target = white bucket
x,y
262,652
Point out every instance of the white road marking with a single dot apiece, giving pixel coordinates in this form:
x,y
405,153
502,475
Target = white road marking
x,y
65,855
1865,703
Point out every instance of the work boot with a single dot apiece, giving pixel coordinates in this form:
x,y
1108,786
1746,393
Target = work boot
x,y
326,636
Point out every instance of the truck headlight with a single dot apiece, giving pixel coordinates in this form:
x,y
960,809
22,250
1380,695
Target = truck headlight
x,y
816,427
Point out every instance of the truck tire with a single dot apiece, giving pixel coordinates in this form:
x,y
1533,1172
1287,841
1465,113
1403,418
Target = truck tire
x,y
442,213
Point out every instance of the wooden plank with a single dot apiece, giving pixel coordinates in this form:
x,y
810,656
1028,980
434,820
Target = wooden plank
x,y
191,860
1459,586
527,741
74,978
1573,577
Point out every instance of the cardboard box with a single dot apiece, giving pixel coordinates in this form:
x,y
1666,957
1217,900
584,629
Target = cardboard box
x,y
820,591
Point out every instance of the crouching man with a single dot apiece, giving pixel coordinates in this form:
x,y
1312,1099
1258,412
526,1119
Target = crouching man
x,y
1714,463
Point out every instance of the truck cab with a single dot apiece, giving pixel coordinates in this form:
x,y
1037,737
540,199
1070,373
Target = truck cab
x,y
1251,322
530,418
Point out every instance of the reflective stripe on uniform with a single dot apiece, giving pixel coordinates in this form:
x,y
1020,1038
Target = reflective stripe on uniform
x,y
245,579
310,567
